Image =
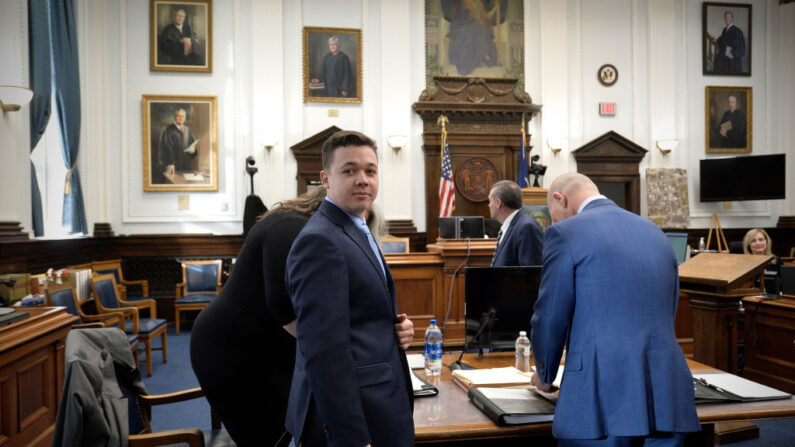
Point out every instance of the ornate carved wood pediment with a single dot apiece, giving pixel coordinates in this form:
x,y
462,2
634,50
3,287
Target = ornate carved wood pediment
x,y
484,134
613,160
308,158
612,147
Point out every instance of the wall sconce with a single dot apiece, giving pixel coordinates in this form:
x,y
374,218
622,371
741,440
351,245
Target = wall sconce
x,y
666,146
13,97
268,142
555,144
397,142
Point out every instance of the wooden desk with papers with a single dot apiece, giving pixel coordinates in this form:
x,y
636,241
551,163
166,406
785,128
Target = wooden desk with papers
x,y
450,417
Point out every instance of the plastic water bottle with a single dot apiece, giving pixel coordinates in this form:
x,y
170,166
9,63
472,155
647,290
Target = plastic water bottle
x,y
433,350
701,245
523,352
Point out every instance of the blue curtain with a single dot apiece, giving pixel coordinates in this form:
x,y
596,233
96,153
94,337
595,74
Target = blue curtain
x,y
67,100
40,82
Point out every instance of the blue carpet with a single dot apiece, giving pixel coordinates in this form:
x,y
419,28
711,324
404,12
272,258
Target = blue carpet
x,y
773,433
176,375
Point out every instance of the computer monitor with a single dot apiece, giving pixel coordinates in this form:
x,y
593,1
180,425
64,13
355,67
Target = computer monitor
x,y
460,227
787,273
511,292
679,244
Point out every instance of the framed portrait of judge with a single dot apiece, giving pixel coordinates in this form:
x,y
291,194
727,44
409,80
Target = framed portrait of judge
x,y
180,143
332,65
729,119
726,40
181,36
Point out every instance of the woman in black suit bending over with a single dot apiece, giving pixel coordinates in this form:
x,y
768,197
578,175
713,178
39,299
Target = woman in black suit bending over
x,y
242,345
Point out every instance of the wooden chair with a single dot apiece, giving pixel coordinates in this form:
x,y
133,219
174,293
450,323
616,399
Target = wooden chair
x,y
65,295
392,244
201,282
139,404
147,329
113,266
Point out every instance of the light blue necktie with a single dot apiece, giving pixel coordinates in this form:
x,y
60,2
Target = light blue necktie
x,y
373,245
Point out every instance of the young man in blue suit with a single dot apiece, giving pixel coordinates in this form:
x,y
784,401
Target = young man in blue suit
x,y
519,241
351,384
609,290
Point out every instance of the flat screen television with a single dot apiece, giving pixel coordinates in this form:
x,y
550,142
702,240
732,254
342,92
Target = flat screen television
x,y
759,177
511,292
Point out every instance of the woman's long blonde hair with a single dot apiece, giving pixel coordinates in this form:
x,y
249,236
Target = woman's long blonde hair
x,y
750,235
306,203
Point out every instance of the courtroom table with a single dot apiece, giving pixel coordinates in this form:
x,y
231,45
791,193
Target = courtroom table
x,y
770,342
31,375
450,418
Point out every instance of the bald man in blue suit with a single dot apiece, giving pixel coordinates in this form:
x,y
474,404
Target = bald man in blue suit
x,y
609,290
351,386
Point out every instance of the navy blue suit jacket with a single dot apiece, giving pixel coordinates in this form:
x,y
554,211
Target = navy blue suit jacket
x,y
521,244
348,361
610,281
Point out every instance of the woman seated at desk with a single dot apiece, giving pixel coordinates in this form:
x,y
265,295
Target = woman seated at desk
x,y
757,242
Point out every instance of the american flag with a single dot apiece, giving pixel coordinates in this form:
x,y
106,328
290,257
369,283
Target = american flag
x,y
521,176
446,186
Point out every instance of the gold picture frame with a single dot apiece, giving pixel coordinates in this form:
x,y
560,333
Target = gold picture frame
x,y
728,130
344,85
181,44
180,143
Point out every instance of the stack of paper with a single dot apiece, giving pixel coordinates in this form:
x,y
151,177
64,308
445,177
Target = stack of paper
x,y
493,377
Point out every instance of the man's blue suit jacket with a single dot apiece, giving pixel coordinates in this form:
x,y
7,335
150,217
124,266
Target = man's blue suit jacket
x,y
610,281
521,244
347,361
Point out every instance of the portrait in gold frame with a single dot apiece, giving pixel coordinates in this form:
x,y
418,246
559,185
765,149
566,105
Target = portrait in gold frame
x,y
332,73
728,119
181,36
180,143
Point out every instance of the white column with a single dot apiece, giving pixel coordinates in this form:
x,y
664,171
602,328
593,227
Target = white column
x,y
554,120
395,110
662,86
15,126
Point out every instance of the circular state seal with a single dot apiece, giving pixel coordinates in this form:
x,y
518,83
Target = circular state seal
x,y
607,75
474,177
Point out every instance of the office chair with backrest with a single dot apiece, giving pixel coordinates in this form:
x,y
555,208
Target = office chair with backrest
x,y
147,329
104,398
65,295
113,266
201,282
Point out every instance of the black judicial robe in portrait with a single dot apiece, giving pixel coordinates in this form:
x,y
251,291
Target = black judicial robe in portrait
x,y
337,75
732,38
736,136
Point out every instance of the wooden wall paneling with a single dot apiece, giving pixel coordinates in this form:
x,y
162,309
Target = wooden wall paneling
x,y
770,342
29,378
684,325
419,287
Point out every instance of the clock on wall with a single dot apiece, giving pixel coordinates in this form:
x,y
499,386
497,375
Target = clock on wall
x,y
607,75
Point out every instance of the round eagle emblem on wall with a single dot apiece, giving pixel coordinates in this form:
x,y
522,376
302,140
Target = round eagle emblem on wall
x,y
607,75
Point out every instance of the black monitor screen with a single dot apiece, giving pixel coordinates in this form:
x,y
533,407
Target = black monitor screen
x,y
511,292
759,177
461,227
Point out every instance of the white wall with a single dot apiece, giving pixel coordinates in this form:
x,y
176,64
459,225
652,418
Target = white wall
x,y
257,77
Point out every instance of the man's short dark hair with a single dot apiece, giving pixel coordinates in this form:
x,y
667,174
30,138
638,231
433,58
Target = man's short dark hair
x,y
509,192
729,13
341,139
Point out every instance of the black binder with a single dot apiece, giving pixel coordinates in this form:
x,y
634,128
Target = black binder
x,y
426,389
707,393
12,317
512,406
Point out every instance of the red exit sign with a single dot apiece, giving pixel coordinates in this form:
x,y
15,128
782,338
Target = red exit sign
x,y
607,108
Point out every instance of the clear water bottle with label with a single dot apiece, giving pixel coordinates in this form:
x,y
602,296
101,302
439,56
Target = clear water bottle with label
x,y
433,350
523,352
